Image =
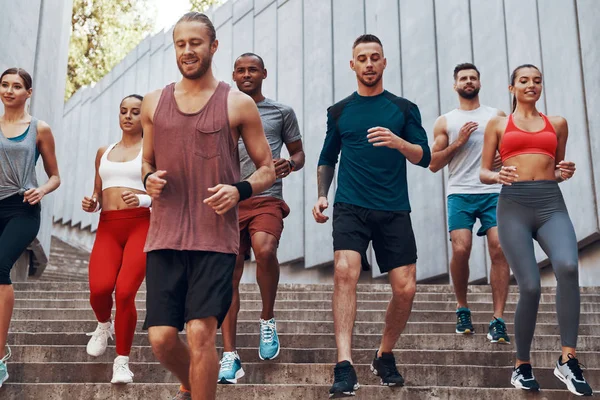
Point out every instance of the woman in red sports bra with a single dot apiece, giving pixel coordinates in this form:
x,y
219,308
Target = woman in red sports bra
x,y
532,147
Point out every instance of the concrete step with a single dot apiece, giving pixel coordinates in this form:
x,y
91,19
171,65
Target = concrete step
x,y
449,341
287,374
306,315
313,305
252,287
497,356
297,327
84,295
161,391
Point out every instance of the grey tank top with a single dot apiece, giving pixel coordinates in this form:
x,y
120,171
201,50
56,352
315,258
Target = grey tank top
x,y
17,163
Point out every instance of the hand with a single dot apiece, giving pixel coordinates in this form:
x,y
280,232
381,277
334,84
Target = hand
x,y
89,204
383,137
130,198
155,184
497,164
507,175
465,132
33,196
318,209
282,167
225,197
567,169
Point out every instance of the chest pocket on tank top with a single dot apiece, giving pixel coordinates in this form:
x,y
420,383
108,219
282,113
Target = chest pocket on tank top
x,y
207,143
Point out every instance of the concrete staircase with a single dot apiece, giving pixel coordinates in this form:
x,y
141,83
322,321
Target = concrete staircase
x,y
49,361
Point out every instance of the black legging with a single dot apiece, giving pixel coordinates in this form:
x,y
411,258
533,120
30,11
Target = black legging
x,y
19,225
536,210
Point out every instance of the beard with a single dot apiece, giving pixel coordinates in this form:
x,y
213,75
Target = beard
x,y
367,83
468,95
204,66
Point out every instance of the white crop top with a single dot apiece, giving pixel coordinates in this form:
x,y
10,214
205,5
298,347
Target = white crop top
x,y
126,174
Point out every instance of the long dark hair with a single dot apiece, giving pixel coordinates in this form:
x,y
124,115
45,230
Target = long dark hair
x,y
22,73
513,77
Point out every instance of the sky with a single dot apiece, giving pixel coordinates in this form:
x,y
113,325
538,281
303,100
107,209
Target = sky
x,y
168,12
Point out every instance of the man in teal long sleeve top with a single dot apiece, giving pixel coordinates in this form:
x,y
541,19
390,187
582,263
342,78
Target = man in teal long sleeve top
x,y
376,132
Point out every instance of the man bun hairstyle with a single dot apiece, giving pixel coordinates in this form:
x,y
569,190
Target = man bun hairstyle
x,y
194,16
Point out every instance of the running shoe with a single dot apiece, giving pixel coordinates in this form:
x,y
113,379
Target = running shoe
x,y
121,371
463,321
183,395
497,331
268,348
99,338
231,368
385,368
571,374
345,383
522,378
3,369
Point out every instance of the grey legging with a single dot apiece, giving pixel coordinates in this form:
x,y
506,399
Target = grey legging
x,y
536,210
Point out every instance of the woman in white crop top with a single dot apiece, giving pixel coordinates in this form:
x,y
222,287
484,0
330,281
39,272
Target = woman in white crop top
x,y
118,262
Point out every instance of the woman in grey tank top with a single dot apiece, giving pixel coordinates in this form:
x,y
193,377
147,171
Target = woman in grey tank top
x,y
22,139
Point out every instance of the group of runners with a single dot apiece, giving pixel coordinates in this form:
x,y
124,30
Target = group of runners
x,y
195,184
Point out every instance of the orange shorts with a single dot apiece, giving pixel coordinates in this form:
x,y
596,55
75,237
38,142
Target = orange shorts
x,y
260,214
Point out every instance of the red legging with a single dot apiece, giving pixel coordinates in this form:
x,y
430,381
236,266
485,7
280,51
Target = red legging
x,y
118,260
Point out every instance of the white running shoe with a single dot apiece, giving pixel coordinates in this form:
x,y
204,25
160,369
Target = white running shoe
x,y
121,371
97,344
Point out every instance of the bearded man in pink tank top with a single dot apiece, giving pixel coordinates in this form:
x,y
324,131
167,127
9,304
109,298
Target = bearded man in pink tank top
x,y
191,170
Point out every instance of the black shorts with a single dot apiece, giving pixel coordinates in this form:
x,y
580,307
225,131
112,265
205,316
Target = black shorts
x,y
186,285
391,232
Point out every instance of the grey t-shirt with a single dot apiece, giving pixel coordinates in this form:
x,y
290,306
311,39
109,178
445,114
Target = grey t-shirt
x,y
281,126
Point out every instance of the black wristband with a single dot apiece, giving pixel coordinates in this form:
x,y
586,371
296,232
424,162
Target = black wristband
x,y
244,188
146,178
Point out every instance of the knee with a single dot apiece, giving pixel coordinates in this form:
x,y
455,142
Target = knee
x,y
404,291
266,254
163,341
496,253
201,334
566,269
345,275
461,251
530,289
99,291
124,296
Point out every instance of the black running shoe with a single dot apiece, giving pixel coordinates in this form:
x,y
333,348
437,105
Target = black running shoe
x,y
522,378
385,368
571,374
463,321
497,332
345,383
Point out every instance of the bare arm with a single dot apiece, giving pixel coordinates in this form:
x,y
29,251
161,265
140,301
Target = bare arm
x,y
46,147
155,181
443,151
89,204
283,167
564,169
490,146
251,131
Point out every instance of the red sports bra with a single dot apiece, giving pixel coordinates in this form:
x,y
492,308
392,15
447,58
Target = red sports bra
x,y
517,141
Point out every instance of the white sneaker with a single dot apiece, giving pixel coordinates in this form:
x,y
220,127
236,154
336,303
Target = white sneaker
x,y
97,344
121,371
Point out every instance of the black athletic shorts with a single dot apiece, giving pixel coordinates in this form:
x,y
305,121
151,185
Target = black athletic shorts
x,y
391,232
186,285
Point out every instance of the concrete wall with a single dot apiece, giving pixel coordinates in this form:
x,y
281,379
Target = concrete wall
x,y
306,45
35,36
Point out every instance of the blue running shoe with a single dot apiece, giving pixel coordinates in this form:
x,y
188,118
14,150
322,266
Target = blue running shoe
x,y
497,332
3,370
231,368
463,321
268,347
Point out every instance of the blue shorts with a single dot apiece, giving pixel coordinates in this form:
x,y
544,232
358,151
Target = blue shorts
x,y
464,209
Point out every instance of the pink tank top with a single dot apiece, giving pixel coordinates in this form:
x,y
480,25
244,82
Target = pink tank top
x,y
198,152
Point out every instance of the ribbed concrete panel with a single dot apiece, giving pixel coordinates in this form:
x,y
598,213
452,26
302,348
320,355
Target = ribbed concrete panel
x,y
243,34
318,95
223,58
290,76
589,32
265,45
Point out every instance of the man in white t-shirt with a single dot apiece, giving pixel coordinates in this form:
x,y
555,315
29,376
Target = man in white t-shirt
x,y
458,142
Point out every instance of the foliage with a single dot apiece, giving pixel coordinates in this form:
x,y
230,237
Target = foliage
x,y
203,5
102,33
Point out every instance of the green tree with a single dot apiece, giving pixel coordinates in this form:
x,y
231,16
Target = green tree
x,y
103,32
203,5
